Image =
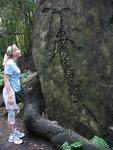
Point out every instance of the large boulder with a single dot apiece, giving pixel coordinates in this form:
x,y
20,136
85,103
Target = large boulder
x,y
73,54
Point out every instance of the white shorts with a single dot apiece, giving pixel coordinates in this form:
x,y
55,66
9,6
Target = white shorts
x,y
5,98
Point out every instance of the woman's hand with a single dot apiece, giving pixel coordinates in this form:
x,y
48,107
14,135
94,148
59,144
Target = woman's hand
x,y
10,99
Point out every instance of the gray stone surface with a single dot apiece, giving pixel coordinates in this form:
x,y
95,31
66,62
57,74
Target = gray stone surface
x,y
73,54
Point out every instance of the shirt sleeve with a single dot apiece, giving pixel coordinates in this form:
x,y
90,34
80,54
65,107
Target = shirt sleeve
x,y
8,69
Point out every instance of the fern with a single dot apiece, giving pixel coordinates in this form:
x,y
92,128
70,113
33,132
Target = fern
x,y
1,79
100,143
66,145
76,145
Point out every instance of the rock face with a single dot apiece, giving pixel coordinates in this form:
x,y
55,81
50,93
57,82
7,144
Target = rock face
x,y
73,54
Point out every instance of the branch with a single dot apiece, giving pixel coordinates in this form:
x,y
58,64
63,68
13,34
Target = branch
x,y
12,33
27,15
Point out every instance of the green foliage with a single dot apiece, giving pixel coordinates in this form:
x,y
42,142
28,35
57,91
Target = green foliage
x,y
25,75
66,145
16,24
99,142
1,79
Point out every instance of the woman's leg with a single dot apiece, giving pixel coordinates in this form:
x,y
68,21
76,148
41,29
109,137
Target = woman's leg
x,y
11,121
16,132
13,138
12,127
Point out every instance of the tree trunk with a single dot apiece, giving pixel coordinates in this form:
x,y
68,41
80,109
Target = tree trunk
x,y
40,126
73,54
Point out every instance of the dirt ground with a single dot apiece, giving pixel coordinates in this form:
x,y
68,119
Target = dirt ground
x,y
29,143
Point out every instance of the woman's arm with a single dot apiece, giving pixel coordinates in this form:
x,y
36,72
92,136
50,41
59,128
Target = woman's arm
x,y
8,88
5,59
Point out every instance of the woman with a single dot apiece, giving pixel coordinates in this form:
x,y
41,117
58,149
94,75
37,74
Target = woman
x,y
11,86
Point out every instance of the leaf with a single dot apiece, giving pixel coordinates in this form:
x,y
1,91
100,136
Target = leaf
x,y
66,146
76,144
100,143
1,82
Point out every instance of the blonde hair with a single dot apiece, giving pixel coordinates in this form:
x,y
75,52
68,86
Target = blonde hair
x,y
11,49
9,53
5,59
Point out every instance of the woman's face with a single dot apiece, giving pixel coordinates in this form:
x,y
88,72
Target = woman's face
x,y
17,52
